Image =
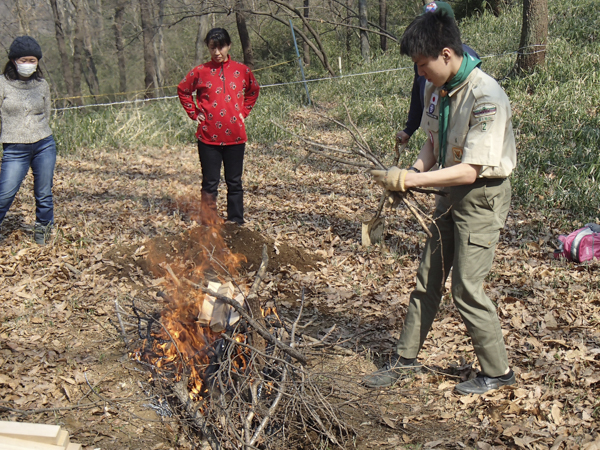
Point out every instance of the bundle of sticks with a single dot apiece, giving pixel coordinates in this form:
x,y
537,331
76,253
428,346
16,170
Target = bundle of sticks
x,y
368,160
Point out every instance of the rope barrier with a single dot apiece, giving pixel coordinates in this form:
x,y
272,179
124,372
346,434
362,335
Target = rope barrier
x,y
339,77
153,89
141,100
114,93
274,65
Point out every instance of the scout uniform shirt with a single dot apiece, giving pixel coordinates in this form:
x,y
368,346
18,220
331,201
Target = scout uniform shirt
x,y
479,128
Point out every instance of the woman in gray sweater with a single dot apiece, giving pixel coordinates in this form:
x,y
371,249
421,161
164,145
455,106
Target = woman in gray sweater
x,y
26,135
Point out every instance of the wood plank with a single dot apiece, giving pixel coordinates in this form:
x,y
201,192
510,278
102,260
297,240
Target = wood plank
x,y
37,432
208,304
73,446
26,444
63,439
220,314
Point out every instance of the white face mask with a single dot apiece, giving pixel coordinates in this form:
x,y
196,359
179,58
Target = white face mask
x,y
26,69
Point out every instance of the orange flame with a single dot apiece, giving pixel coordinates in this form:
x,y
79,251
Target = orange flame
x,y
178,343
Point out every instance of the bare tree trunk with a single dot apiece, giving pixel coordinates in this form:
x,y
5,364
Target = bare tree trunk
x,y
22,15
348,32
305,46
364,23
240,19
148,38
91,73
203,24
383,24
159,48
67,71
534,35
118,27
78,51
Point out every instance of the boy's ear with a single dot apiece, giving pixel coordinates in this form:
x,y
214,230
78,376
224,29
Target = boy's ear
x,y
447,53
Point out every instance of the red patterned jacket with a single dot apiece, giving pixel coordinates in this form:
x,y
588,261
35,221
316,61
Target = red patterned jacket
x,y
224,92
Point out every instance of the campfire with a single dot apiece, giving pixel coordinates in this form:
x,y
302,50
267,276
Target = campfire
x,y
234,368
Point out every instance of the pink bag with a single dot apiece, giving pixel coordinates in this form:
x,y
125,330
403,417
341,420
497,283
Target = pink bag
x,y
581,245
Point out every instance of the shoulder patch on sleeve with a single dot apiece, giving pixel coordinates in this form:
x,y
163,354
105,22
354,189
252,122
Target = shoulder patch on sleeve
x,y
484,109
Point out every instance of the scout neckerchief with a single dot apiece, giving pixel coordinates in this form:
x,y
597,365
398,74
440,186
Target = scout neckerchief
x,y
468,64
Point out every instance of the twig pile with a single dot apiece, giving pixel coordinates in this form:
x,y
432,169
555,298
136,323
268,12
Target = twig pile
x,y
257,391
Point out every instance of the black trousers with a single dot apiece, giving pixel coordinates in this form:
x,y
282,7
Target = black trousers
x,y
232,159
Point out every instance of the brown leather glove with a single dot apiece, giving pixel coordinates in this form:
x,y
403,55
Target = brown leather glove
x,y
391,179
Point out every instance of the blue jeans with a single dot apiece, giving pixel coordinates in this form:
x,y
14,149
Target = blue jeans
x,y
16,161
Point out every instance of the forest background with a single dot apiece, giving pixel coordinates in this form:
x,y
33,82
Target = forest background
x,y
98,52
127,181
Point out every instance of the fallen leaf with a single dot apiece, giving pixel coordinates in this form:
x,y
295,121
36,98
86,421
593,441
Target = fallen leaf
x,y
556,415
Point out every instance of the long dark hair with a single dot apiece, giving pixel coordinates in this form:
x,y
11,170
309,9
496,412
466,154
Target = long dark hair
x,y
10,72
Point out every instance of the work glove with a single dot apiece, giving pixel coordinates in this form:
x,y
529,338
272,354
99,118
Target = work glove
x,y
391,179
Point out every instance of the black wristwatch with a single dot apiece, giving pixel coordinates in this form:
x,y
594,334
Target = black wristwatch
x,y
414,169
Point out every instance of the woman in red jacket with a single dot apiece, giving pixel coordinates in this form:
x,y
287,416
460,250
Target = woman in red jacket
x,y
225,91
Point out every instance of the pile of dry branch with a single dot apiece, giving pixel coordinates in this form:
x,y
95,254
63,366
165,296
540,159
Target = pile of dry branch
x,y
240,378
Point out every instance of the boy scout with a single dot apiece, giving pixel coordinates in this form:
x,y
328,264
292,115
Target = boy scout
x,y
467,118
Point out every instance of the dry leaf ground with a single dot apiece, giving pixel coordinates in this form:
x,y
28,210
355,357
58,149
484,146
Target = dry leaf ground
x,y
62,360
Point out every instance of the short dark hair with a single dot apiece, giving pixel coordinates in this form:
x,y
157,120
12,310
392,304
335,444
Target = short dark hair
x,y
219,36
429,34
10,72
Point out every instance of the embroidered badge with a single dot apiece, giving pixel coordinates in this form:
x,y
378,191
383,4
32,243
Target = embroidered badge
x,y
431,7
484,110
457,152
432,103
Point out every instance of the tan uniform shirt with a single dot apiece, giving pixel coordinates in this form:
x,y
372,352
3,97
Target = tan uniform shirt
x,y
479,130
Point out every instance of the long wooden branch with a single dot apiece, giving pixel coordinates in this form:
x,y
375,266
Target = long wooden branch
x,y
364,151
415,212
273,407
341,160
311,142
357,131
260,274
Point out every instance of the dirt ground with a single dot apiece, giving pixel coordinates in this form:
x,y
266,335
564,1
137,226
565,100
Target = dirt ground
x,y
123,216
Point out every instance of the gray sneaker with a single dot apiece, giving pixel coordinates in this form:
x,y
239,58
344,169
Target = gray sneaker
x,y
483,384
41,233
391,372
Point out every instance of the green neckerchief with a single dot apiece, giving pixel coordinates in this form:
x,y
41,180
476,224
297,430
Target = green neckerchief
x,y
468,64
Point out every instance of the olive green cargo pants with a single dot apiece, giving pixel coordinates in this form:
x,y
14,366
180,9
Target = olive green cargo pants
x,y
469,221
